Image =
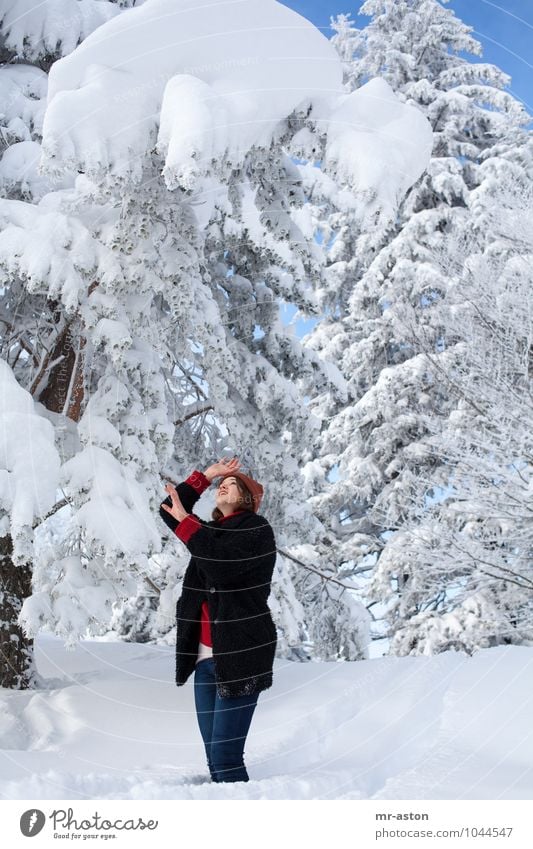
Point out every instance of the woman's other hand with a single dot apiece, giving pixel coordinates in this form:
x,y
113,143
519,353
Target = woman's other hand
x,y
224,466
177,510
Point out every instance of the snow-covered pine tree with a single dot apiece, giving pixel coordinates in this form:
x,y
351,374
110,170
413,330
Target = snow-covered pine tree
x,y
377,440
206,148
470,518
29,471
36,337
140,327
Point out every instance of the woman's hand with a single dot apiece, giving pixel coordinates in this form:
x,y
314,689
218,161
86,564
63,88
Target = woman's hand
x,y
224,467
177,510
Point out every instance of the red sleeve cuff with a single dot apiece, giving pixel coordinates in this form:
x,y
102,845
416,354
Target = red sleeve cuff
x,y
187,527
198,481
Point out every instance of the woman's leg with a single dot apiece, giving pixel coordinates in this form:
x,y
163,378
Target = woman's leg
x,y
204,698
232,718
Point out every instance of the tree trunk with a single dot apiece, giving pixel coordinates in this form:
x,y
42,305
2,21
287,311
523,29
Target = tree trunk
x,y
63,382
16,650
60,381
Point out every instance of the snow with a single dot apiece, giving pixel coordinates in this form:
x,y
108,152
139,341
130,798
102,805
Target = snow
x,y
45,246
22,97
377,144
113,725
19,166
202,84
116,514
206,75
41,29
29,464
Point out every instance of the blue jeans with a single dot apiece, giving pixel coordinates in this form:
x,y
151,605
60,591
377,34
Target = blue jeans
x,y
224,724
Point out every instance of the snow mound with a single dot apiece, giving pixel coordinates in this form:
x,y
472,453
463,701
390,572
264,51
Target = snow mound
x,y
202,84
376,144
215,77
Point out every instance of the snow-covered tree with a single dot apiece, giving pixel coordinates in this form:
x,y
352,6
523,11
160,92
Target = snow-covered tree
x,y
392,283
151,271
29,471
36,338
464,550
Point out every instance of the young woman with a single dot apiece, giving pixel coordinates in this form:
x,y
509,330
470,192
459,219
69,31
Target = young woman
x,y
224,628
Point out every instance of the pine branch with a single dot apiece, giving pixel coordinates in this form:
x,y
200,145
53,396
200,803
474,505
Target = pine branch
x,y
193,414
315,571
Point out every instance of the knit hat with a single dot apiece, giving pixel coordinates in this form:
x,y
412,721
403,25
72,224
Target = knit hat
x,y
255,488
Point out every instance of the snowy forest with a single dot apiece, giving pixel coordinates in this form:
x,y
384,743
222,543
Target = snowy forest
x,y
175,207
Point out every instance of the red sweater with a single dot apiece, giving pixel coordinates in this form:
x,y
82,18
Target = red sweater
x,y
205,626
185,529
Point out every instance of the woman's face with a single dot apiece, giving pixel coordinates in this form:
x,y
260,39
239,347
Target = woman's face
x,y
228,493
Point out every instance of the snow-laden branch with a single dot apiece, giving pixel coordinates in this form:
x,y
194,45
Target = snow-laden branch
x,y
203,90
29,465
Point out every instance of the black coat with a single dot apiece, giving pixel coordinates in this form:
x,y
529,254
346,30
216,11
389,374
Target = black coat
x,y
231,566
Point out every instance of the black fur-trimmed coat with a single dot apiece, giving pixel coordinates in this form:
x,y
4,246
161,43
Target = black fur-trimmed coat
x,y
231,566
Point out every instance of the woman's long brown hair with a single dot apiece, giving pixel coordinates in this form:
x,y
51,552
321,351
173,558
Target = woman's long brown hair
x,y
247,502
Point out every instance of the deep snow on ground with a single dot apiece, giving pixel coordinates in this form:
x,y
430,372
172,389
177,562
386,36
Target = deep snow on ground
x,y
113,725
